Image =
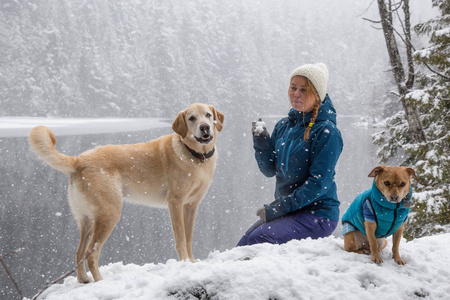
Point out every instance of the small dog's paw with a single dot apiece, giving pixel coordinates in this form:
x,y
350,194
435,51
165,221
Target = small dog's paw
x,y
377,259
399,261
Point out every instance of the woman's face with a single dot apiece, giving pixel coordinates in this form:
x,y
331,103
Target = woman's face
x,y
300,99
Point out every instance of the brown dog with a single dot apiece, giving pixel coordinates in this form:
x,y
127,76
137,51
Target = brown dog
x,y
379,212
173,171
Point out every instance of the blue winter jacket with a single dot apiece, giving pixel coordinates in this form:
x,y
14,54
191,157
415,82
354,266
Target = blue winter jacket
x,y
388,216
304,171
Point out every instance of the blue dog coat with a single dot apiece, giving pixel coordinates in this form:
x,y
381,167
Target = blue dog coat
x,y
372,206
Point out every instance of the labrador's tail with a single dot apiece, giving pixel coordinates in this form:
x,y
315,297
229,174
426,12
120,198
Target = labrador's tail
x,y
42,142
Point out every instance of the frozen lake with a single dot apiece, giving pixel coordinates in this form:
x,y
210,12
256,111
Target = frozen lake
x,y
21,126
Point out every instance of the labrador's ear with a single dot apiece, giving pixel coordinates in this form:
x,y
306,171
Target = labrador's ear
x,y
412,173
179,124
218,118
377,171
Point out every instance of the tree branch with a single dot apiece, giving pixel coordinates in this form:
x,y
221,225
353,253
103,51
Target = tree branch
x,y
7,270
370,5
398,5
435,72
372,21
67,274
407,41
12,252
12,279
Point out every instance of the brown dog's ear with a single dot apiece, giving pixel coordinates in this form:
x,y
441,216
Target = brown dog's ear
x,y
179,124
218,118
377,171
412,173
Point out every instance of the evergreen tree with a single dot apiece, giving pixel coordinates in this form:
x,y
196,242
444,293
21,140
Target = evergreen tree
x,y
431,208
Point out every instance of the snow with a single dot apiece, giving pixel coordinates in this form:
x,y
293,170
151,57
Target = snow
x,y
21,126
259,127
368,121
444,31
307,269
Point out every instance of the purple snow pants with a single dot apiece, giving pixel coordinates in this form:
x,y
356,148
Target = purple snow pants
x,y
294,226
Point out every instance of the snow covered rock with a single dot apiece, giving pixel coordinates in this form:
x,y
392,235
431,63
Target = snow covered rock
x,y
307,269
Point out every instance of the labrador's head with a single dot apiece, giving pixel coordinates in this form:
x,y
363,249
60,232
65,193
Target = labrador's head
x,y
199,122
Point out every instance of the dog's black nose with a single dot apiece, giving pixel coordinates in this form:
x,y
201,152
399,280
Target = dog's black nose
x,y
204,127
394,197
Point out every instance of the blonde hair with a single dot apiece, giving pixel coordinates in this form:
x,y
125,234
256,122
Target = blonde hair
x,y
311,90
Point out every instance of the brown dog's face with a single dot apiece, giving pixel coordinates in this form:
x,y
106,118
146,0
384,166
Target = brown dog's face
x,y
199,122
393,182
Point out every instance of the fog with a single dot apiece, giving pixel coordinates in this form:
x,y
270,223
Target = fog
x,y
150,59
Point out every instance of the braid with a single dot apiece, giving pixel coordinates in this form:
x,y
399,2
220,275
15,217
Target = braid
x,y
310,89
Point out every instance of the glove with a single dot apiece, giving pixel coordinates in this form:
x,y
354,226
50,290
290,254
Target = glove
x,y
261,213
259,128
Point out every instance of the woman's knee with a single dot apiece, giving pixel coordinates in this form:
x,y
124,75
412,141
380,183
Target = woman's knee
x,y
243,241
258,238
328,226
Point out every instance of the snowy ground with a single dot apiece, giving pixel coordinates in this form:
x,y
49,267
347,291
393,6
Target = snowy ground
x,y
308,269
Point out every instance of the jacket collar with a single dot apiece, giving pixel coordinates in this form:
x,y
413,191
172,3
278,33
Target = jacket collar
x,y
326,112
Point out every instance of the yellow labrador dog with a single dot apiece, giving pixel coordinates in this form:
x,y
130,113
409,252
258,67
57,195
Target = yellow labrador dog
x,y
173,171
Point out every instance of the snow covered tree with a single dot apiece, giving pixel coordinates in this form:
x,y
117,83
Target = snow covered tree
x,y
430,99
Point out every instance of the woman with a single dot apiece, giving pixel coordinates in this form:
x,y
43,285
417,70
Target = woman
x,y
302,153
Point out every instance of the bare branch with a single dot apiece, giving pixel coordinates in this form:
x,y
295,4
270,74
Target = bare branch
x,y
370,5
12,279
7,270
67,274
377,28
372,21
397,6
375,22
12,252
408,42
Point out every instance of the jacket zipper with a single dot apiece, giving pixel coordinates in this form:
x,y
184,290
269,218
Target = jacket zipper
x,y
289,149
393,222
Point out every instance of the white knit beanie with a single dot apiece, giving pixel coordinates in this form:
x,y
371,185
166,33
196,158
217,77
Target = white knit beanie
x,y
317,74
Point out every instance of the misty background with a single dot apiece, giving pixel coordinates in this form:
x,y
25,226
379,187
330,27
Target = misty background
x,y
151,59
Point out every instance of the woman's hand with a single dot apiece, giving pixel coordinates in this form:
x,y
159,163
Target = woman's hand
x,y
261,213
259,128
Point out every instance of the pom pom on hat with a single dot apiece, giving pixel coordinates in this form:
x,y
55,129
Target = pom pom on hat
x,y
317,74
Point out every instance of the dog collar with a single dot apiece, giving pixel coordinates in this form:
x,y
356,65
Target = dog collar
x,y
201,156
406,201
